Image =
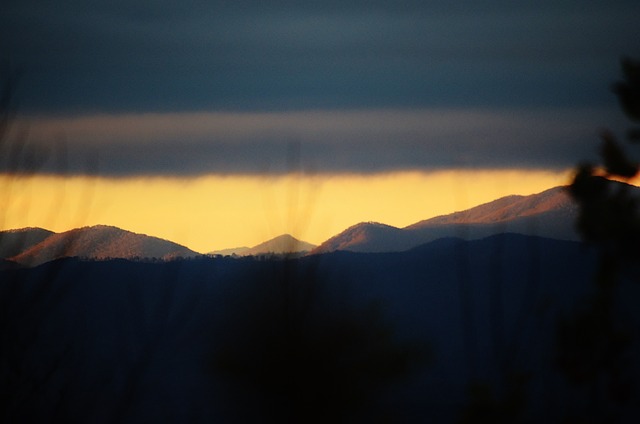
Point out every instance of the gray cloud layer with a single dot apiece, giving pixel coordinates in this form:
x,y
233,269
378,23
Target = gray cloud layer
x,y
187,144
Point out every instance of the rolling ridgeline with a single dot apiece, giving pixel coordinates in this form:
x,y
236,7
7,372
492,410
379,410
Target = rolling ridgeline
x,y
551,214
454,319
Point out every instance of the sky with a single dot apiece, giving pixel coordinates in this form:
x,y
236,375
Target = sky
x,y
223,123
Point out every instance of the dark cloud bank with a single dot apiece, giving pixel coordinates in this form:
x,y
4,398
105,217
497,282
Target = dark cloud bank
x,y
539,73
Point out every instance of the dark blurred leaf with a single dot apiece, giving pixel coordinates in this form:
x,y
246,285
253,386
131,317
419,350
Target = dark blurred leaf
x,y
628,91
615,160
485,407
587,186
634,135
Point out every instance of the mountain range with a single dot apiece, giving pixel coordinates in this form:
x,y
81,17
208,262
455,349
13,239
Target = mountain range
x,y
551,213
35,246
196,340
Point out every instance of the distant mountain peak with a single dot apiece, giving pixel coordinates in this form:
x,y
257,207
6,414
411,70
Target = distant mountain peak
x,y
364,233
99,242
282,244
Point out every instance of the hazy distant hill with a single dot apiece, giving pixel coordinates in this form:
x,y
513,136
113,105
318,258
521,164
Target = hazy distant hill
x,y
239,251
100,242
551,213
278,245
14,242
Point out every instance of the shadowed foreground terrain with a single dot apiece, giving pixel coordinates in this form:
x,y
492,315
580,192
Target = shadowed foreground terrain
x,y
439,333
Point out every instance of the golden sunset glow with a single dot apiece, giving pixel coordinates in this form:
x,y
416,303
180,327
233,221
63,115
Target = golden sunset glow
x,y
213,212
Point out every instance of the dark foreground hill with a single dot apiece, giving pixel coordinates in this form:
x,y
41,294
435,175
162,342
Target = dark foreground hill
x,y
412,337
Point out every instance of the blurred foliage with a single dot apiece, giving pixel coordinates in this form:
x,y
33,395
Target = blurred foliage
x,y
609,210
628,90
298,354
485,406
594,344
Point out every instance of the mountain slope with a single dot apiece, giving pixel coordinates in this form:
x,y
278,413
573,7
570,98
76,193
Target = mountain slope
x,y
507,209
551,213
100,242
14,242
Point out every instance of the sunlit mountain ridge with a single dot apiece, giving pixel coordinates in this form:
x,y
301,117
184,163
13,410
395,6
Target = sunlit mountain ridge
x,y
551,214
35,246
95,242
509,208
